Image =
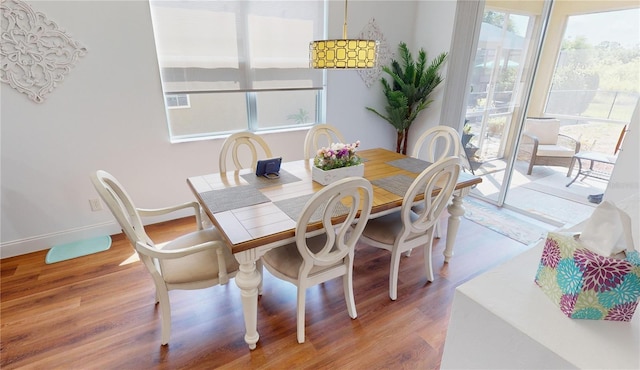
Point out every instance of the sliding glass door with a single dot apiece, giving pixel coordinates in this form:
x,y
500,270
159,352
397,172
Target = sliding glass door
x,y
550,59
591,83
500,81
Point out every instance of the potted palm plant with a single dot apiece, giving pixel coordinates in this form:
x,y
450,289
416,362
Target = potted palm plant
x,y
408,93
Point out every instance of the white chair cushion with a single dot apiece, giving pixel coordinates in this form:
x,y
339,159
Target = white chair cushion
x,y
385,229
287,260
198,266
554,151
546,130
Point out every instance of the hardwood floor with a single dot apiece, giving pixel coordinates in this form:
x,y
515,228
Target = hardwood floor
x,y
98,312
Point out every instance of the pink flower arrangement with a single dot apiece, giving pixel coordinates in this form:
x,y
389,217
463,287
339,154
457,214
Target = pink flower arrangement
x,y
337,155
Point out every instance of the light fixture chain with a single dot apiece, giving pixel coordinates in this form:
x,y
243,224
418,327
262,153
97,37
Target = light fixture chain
x,y
344,27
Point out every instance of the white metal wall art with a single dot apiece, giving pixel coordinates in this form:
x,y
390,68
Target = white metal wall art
x,y
372,32
35,54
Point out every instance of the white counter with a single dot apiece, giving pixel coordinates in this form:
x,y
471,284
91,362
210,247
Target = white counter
x,y
502,320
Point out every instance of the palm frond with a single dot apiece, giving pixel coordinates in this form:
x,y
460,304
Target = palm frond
x,y
408,89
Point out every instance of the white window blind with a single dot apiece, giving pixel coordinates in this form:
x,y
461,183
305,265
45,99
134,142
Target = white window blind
x,y
209,46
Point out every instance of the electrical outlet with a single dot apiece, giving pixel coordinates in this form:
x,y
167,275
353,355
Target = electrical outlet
x,y
95,204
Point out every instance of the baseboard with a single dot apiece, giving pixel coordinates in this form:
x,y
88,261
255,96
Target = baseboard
x,y
42,242
46,241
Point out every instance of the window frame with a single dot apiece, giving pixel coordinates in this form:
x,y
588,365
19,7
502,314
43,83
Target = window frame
x,y
177,97
250,98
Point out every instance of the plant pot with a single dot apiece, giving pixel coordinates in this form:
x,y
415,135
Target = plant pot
x,y
327,177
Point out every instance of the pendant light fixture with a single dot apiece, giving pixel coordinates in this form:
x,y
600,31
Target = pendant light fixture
x,y
343,53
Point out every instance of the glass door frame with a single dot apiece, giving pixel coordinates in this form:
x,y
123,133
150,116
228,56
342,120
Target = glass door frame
x,y
516,133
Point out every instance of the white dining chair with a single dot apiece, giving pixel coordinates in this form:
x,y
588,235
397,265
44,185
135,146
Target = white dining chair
x,y
236,146
406,229
196,260
434,144
320,255
321,135
241,146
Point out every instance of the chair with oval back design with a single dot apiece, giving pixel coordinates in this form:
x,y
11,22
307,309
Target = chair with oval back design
x,y
436,143
319,136
401,231
317,256
233,145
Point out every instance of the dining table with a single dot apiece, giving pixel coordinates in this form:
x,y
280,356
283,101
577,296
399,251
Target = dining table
x,y
255,214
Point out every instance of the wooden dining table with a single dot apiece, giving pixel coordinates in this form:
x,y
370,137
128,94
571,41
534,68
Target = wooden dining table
x,y
255,214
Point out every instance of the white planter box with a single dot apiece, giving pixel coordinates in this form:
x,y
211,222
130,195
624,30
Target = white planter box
x,y
327,177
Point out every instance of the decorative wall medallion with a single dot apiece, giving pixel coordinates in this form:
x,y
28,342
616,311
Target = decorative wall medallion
x,y
372,32
35,55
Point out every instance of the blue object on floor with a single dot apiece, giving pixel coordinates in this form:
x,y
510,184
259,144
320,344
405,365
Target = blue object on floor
x,y
80,248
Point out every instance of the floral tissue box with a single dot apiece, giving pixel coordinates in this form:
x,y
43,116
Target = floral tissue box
x,y
586,285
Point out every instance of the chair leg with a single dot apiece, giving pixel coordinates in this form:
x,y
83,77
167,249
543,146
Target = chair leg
x,y
347,285
393,274
571,165
300,313
206,223
436,229
428,264
165,314
223,277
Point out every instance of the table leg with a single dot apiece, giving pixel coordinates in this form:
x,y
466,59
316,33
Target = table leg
x,y
249,279
456,209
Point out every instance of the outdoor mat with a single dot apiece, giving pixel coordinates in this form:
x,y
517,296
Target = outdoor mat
x,y
80,248
293,208
499,221
260,182
410,164
231,198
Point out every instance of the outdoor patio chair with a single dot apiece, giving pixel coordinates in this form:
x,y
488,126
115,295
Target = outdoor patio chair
x,y
546,146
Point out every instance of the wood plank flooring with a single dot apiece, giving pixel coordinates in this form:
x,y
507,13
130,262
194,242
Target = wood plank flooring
x,y
98,312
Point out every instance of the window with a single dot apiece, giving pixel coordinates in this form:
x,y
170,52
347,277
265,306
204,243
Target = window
x,y
596,76
174,101
238,65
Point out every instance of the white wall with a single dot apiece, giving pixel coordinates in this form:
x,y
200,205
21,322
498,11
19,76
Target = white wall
x,y
625,178
420,24
624,186
435,20
108,114
347,94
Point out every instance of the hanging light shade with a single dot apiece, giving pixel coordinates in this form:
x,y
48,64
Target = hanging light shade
x,y
343,53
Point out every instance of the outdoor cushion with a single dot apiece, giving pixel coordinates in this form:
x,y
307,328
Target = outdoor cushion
x,y
554,151
546,130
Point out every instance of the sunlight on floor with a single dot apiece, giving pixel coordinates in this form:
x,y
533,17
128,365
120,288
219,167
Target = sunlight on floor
x,y
542,195
132,258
